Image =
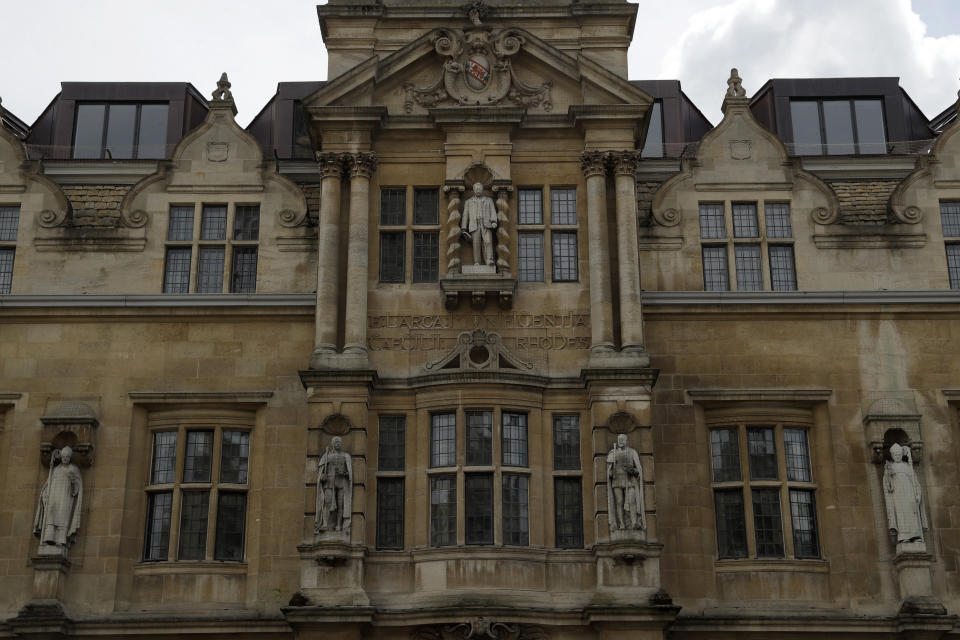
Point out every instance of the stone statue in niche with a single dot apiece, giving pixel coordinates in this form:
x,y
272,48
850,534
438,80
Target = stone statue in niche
x,y
904,499
58,510
334,491
479,224
625,488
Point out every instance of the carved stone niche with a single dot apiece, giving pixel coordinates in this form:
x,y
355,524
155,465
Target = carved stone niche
x,y
70,423
890,419
480,628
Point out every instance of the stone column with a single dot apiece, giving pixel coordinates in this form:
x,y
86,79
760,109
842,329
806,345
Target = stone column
x,y
328,243
631,316
593,164
361,166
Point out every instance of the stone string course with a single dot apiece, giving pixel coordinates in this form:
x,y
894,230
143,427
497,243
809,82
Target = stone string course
x,y
96,205
863,202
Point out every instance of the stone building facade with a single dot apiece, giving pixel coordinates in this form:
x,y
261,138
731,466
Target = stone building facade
x,y
480,339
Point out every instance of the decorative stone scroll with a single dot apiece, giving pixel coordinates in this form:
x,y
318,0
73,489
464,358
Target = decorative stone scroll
x,y
479,349
480,628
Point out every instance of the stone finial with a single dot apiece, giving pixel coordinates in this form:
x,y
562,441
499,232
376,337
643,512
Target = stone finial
x,y
222,92
734,87
476,11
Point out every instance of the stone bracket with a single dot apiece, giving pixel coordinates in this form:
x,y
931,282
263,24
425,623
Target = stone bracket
x,y
478,289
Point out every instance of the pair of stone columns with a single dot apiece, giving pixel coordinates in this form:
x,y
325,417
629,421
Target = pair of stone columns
x,y
623,165
360,167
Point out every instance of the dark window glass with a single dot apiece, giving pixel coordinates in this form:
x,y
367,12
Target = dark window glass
x,y
234,457
711,221
176,270
725,454
953,265
803,515
88,135
164,457
745,221
210,270
157,541
778,220
762,453
766,522
443,511
530,256
563,206
213,222
426,206
514,446
838,126
564,256
443,440
731,527
152,139
516,511
479,438
196,468
566,442
749,270
530,203
246,224
6,270
653,147
806,127
121,125
391,449
244,273
568,513
180,224
392,256
478,500
231,518
797,452
302,142
393,207
193,525
783,271
870,130
716,276
949,218
426,256
9,220
389,513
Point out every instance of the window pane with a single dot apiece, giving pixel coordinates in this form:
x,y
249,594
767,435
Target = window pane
x,y
213,223
778,220
246,224
725,454
234,457
745,221
564,256
426,206
231,518
6,270
196,467
210,270
715,274
653,147
731,528
121,123
530,205
797,452
478,500
530,256
783,271
152,142
514,439
806,128
950,218
803,516
9,220
766,523
563,206
443,511
391,448
157,539
389,513
479,438
193,525
870,131
516,511
244,271
568,513
393,207
392,256
711,221
566,442
443,440
176,270
88,135
838,126
164,457
763,453
953,265
180,224
749,271
426,256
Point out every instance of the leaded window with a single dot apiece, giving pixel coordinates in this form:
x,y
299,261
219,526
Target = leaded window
x,y
9,221
391,448
530,256
950,220
568,512
749,270
478,511
516,509
566,443
514,442
398,234
715,272
479,438
443,440
426,256
392,256
564,256
443,510
390,513
535,233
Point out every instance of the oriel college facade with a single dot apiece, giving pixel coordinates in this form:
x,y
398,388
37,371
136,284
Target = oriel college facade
x,y
480,340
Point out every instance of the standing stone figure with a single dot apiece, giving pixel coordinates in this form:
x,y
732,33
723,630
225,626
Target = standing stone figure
x,y
58,511
334,490
625,488
904,499
479,223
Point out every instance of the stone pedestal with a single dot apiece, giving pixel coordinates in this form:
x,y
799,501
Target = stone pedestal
x,y
43,616
916,586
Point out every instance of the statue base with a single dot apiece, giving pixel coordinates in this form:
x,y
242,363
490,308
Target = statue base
x,y
628,535
331,573
478,283
478,270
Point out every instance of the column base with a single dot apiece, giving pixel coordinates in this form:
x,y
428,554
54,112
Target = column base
x,y
353,357
627,358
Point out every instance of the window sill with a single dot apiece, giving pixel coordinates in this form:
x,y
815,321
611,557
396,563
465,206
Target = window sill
x,y
744,565
189,568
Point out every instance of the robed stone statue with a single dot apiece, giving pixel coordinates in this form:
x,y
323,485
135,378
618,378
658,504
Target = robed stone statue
x,y
334,490
479,224
625,488
904,498
58,510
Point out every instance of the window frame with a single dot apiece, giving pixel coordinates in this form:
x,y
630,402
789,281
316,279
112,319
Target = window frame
x,y
549,231
105,124
855,143
8,247
951,242
408,229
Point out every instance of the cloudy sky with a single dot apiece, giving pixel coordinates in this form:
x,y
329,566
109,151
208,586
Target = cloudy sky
x,y
260,43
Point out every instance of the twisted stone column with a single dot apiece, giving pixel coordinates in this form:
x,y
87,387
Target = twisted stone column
x,y
328,235
361,166
631,314
593,165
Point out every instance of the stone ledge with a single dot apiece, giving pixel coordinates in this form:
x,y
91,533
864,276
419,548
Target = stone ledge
x,y
871,241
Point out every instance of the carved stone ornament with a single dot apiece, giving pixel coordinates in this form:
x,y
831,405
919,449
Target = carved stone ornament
x,y
222,92
218,151
477,71
741,149
480,628
336,424
735,85
361,164
479,349
622,422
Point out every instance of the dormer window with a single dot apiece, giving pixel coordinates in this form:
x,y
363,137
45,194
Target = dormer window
x,y
838,127
120,131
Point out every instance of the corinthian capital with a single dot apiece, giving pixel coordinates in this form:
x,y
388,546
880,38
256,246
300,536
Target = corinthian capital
x,y
361,164
331,164
624,162
593,163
